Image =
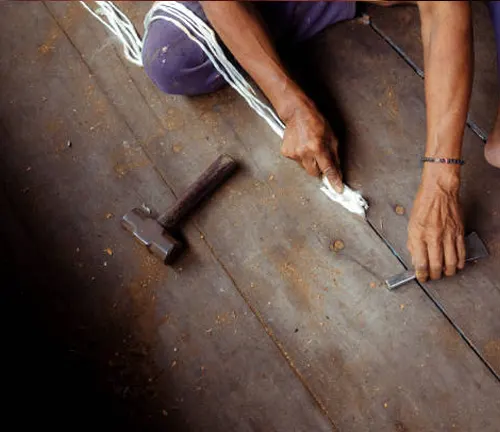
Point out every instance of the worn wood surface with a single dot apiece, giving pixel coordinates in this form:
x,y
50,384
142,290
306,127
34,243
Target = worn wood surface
x,y
340,330
402,25
386,158
180,343
261,269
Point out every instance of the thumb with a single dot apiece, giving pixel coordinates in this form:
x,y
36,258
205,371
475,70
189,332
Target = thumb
x,y
331,172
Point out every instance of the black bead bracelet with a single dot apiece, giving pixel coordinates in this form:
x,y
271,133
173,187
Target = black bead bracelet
x,y
449,161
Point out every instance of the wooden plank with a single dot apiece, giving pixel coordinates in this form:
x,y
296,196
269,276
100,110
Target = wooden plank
x,y
362,351
173,348
402,25
386,158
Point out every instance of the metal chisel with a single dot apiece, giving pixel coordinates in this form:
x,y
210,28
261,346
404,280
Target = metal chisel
x,y
475,249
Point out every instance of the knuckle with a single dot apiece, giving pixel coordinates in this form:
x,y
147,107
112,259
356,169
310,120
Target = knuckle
x,y
315,146
434,240
436,270
435,276
421,270
285,151
301,152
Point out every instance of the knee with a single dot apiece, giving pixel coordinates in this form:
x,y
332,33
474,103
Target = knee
x,y
176,64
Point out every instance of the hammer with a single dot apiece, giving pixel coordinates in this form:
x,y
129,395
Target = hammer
x,y
156,234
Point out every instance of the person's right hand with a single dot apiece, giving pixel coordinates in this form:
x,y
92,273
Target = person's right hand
x,y
310,141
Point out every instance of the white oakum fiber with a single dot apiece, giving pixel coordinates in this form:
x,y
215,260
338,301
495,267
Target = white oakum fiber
x,y
200,33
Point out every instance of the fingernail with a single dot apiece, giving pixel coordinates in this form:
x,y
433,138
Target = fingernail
x,y
422,276
337,185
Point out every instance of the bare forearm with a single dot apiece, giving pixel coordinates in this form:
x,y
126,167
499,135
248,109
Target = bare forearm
x,y
308,139
446,35
244,33
436,230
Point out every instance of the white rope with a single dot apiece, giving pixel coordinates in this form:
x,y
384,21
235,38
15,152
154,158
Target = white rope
x,y
349,199
201,34
121,27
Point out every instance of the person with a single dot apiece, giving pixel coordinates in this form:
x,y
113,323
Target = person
x,y
250,30
492,148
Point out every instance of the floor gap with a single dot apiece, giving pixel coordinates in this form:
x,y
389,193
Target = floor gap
x,y
473,126
436,303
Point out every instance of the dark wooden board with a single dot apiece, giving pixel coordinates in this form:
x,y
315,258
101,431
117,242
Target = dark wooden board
x,y
382,101
181,342
402,25
373,360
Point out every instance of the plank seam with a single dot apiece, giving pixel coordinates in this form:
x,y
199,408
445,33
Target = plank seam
x,y
112,105
473,126
439,306
273,337
255,311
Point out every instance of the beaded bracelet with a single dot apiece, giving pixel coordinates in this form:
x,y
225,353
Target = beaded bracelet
x,y
443,160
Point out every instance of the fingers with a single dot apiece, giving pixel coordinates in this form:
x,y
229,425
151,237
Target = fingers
x,y
435,251
435,234
461,252
420,261
328,169
428,259
311,166
314,156
450,256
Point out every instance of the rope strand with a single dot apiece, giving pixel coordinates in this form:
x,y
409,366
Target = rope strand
x,y
200,33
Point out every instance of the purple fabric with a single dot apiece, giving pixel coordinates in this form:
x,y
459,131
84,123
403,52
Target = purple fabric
x,y
495,17
177,65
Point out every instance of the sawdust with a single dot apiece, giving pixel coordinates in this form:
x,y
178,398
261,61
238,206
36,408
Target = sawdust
x,y
123,169
100,107
391,102
492,353
48,46
300,289
73,15
174,120
129,159
176,148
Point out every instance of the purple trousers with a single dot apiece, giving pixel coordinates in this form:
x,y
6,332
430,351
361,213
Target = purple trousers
x,y
495,18
177,65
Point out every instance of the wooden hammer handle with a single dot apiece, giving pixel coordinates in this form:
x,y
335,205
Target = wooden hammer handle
x,y
213,176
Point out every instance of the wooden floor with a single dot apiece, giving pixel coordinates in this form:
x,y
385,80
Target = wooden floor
x,y
262,325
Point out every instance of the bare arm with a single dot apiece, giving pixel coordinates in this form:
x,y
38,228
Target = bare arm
x,y
436,227
308,138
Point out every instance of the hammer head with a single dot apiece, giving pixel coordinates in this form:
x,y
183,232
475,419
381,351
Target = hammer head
x,y
152,235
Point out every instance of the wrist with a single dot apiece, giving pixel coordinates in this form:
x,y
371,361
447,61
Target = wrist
x,y
291,100
445,177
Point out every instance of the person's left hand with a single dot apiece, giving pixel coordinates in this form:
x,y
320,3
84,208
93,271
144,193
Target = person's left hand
x,y
436,231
